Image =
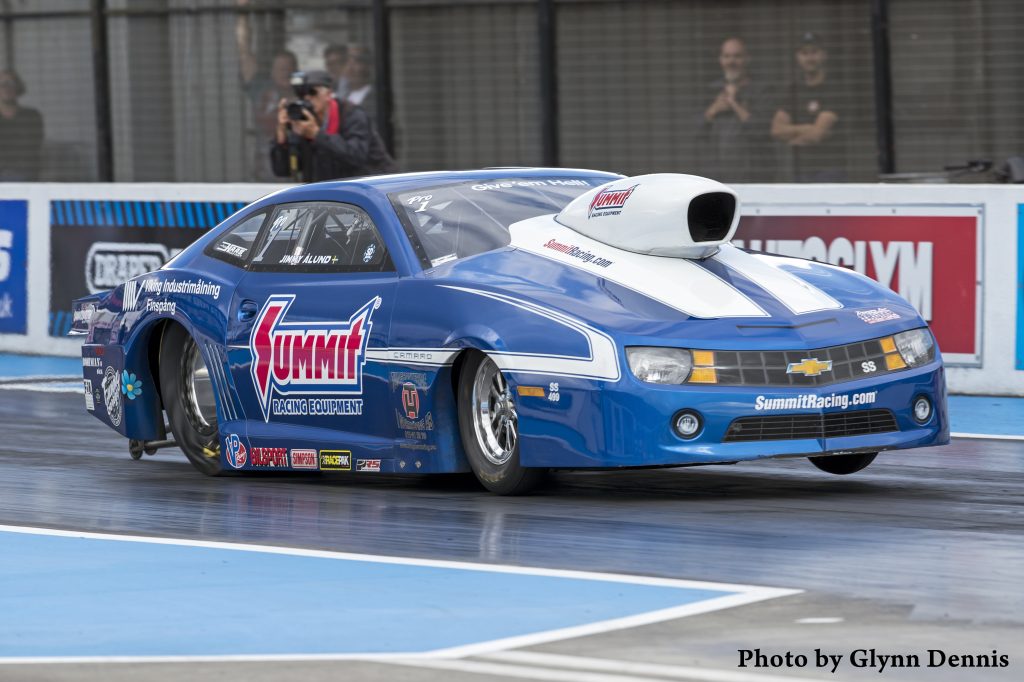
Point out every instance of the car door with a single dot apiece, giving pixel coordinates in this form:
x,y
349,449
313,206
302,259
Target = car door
x,y
317,295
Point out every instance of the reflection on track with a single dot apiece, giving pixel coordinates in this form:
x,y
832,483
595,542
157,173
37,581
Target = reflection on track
x,y
918,528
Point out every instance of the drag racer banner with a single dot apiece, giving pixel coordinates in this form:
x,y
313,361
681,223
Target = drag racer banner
x,y
13,268
97,245
930,255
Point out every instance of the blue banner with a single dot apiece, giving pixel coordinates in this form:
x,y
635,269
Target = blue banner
x,y
1020,286
13,266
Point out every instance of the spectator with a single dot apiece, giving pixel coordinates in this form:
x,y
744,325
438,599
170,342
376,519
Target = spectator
x,y
21,132
332,140
807,119
735,124
359,77
335,61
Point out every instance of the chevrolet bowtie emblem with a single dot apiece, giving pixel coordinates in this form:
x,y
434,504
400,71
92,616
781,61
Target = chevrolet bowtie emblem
x,y
810,367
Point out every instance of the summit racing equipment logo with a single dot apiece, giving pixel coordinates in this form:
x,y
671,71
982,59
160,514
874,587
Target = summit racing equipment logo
x,y
308,358
607,201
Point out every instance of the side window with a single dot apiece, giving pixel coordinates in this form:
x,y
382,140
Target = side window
x,y
234,245
321,236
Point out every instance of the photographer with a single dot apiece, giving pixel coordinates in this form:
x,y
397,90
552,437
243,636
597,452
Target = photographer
x,y
320,138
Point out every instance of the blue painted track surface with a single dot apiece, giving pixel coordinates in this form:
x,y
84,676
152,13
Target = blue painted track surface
x,y
70,596
986,415
19,366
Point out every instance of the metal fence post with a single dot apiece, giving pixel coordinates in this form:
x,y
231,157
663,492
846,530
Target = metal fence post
x,y
882,63
548,82
102,94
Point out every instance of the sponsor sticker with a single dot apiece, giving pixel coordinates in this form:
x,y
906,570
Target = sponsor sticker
x,y
235,451
809,401
304,459
165,307
576,252
92,362
410,400
372,465
90,404
269,458
609,202
309,358
232,249
112,396
876,315
130,385
369,253
336,460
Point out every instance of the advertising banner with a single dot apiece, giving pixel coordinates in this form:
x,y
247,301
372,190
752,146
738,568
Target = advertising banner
x,y
930,255
1020,286
13,266
98,245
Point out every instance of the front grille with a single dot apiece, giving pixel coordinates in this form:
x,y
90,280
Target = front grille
x,y
768,368
798,426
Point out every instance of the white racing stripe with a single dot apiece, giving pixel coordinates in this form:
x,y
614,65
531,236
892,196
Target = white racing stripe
x,y
601,363
675,282
790,290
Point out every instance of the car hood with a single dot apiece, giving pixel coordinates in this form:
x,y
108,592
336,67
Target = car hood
x,y
731,300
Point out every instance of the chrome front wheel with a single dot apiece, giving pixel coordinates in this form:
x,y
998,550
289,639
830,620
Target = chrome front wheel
x,y
489,426
495,420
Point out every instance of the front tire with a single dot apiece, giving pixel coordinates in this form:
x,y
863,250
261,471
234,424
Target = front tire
x,y
841,465
188,396
489,426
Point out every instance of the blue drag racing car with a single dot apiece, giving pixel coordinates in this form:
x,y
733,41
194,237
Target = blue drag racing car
x,y
508,322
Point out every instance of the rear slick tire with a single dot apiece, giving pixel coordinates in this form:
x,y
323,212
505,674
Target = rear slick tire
x,y
189,400
842,465
489,426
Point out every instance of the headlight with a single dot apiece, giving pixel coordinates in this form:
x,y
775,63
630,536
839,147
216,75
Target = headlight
x,y
659,365
917,347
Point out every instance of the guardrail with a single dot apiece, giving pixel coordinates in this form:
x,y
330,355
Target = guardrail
x,y
955,251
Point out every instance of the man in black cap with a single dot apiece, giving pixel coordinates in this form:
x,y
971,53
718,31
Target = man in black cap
x,y
808,120
325,139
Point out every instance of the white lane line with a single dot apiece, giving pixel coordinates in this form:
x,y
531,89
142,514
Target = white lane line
x,y
987,436
655,670
740,595
818,621
519,671
601,627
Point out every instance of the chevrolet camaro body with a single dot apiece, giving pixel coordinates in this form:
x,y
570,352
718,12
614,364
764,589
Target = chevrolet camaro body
x,y
573,293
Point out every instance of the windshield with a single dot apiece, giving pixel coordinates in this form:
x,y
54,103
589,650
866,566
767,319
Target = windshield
x,y
454,221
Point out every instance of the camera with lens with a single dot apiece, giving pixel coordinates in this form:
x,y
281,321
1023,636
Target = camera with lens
x,y
305,83
296,107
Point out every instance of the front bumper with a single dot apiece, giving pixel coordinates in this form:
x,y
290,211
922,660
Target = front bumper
x,y
629,423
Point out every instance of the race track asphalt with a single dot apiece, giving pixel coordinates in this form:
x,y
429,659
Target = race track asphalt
x,y
923,550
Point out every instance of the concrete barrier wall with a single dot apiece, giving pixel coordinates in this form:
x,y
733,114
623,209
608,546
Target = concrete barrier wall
x,y
950,249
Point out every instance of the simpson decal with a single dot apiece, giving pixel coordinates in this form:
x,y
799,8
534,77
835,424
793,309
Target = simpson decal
x,y
304,459
309,358
609,202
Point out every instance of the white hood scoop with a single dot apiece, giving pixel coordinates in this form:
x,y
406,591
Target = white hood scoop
x,y
663,214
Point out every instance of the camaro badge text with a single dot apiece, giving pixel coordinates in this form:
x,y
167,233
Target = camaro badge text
x,y
810,367
307,357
